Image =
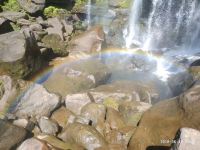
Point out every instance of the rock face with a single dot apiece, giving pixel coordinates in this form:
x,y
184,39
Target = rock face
x,y
18,48
86,136
162,121
36,102
32,6
12,16
54,42
48,126
187,139
10,135
77,77
94,39
32,144
75,102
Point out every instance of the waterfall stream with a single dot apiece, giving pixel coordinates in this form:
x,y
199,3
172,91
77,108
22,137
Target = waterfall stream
x,y
169,24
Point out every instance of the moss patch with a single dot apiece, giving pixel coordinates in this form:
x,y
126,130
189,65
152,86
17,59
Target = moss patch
x,y
110,102
11,5
53,11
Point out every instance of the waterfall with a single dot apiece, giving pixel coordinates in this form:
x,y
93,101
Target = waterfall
x,y
169,24
89,13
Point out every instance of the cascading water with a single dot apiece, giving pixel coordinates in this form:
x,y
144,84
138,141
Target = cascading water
x,y
89,13
168,24
159,25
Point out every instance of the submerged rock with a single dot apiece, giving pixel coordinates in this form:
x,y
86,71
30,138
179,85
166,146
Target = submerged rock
x,y
33,144
186,139
58,144
10,135
83,135
77,77
36,102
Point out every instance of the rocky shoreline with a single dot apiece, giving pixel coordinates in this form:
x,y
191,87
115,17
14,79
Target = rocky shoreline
x,y
77,106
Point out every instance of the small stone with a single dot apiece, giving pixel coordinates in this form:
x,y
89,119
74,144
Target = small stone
x,y
47,126
33,144
75,102
62,116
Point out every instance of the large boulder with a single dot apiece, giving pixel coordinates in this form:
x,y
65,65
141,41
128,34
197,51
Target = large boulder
x,y
90,41
19,54
161,122
10,135
36,102
77,77
32,6
12,15
186,138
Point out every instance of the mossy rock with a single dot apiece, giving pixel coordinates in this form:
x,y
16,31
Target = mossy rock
x,y
55,42
110,102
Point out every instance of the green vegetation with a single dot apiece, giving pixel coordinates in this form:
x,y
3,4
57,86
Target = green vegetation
x,y
52,11
79,5
125,4
11,5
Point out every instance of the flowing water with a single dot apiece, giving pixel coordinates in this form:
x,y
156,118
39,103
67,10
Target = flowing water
x,y
164,24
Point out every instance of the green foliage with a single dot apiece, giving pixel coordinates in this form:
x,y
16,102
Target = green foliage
x,y
53,11
11,5
79,5
125,4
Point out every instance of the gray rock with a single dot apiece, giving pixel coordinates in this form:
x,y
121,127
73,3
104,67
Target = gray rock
x,y
187,139
19,48
12,16
56,27
32,6
180,82
75,102
77,77
48,126
33,144
36,102
10,135
24,123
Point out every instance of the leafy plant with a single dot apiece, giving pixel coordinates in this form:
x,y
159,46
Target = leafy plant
x,y
11,5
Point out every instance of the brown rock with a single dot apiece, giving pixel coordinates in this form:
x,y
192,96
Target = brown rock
x,y
62,116
83,135
93,37
114,119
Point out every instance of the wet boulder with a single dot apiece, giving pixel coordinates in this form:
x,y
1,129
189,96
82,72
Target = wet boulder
x,y
77,77
90,41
